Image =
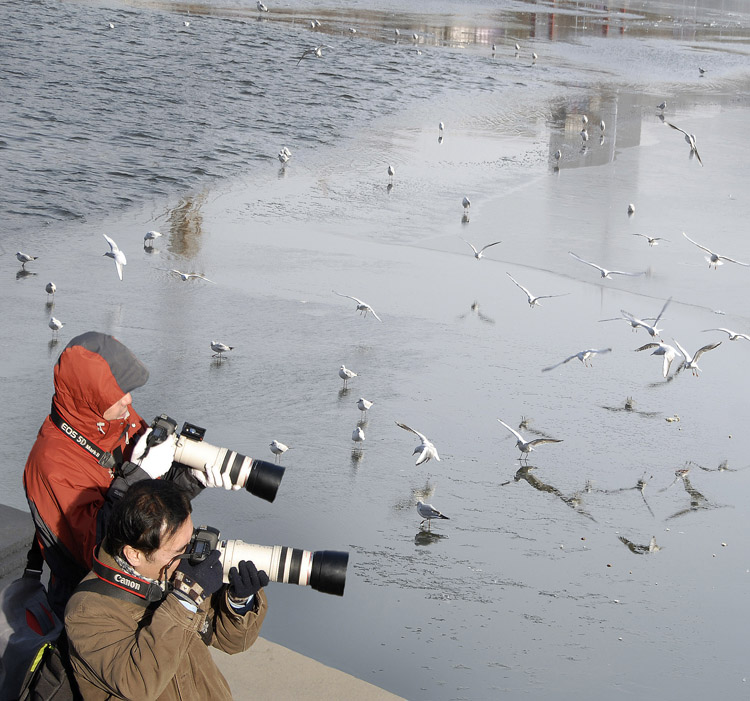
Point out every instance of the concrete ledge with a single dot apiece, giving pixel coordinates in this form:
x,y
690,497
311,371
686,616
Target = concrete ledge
x,y
16,531
270,671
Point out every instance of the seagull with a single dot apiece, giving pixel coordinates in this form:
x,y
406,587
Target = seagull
x,y
584,135
186,23
428,512
112,26
631,208
534,57
701,70
652,330
466,202
115,254
527,446
584,120
186,276
150,237
24,258
441,127
362,307
652,240
478,253
602,125
286,152
669,353
358,435
662,106
51,288
733,335
558,155
533,300
278,448
518,47
316,51
345,374
604,272
391,172
397,32
363,405
690,138
415,36
352,30
426,448
219,348
584,356
691,362
714,258
55,324
261,7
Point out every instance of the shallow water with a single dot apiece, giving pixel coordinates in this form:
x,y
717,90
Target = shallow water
x,y
527,589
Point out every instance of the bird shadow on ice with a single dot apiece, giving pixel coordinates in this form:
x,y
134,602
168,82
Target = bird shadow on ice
x,y
574,501
629,407
52,344
426,537
639,549
640,486
424,494
344,392
356,457
23,273
474,311
698,502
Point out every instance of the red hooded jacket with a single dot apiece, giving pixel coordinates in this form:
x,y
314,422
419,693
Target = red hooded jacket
x,y
65,485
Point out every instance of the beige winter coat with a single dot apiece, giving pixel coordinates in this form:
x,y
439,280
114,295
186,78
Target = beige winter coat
x,y
117,655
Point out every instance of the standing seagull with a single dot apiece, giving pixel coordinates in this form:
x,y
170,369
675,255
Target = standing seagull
x,y
733,335
219,349
428,512
358,435
24,258
664,349
261,7
527,446
363,405
690,138
116,255
50,289
584,356
466,202
150,237
478,253
533,300
426,448
345,374
662,106
714,258
362,307
278,449
55,325
691,361
604,272
391,172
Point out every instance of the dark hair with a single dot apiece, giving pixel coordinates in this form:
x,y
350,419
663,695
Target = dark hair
x,y
150,511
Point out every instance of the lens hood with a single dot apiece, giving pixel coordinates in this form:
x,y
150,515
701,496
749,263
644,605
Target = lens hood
x,y
264,479
328,574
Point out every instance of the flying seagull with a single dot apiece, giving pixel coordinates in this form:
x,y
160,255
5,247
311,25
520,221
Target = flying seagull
x,y
733,335
714,258
527,446
479,253
652,240
426,448
663,349
115,254
691,361
603,271
690,138
584,356
428,512
316,51
533,300
362,307
653,331
186,276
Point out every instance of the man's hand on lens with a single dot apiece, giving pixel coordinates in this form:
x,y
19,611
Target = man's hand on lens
x,y
216,477
199,582
159,458
245,580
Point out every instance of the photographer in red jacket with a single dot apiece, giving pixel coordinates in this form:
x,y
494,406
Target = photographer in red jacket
x,y
88,452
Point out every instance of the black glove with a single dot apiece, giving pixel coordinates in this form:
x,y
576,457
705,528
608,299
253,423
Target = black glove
x,y
197,582
245,581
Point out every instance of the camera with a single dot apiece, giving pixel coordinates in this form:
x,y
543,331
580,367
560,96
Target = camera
x,y
323,570
259,477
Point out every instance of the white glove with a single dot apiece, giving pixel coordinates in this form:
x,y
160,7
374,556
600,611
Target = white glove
x,y
159,458
214,477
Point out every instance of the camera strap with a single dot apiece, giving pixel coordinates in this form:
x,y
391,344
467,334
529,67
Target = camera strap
x,y
104,458
119,585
